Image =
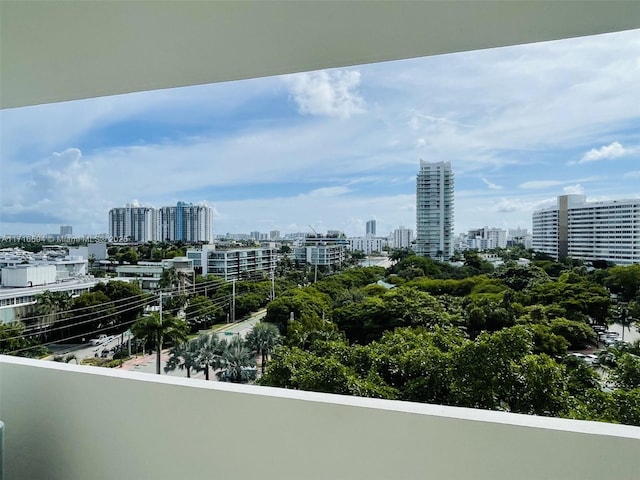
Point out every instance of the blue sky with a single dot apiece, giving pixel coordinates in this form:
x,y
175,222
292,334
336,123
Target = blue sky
x,y
335,148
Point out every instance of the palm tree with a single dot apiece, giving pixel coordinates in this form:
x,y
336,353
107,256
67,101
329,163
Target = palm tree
x,y
183,356
238,361
261,339
157,329
210,349
169,278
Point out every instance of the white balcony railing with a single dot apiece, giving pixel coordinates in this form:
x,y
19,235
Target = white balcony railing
x,y
73,422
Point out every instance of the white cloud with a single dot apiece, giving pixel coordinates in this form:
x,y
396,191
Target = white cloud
x,y
329,192
576,189
492,186
329,93
522,205
536,184
632,174
607,152
62,187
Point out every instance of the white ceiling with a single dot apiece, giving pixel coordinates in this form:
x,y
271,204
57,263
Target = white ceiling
x,y
53,51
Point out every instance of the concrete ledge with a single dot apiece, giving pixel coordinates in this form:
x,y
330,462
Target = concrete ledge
x,y
73,422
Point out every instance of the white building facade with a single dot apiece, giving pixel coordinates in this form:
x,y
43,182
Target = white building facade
x,y
184,222
401,238
367,244
236,263
434,210
322,251
608,230
486,238
133,224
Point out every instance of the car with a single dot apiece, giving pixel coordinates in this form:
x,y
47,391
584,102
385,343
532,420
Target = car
x,y
100,340
592,359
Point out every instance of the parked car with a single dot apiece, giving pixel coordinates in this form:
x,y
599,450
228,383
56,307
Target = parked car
x,y
592,359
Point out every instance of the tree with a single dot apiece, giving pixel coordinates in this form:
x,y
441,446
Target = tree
x,y
302,303
626,372
13,341
485,371
210,350
91,260
578,334
91,312
238,362
169,278
157,329
624,281
128,298
262,339
202,312
183,356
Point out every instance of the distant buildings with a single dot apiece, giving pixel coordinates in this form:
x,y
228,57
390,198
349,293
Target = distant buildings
x,y
66,230
371,228
401,238
434,210
484,238
184,222
519,236
608,230
134,224
368,244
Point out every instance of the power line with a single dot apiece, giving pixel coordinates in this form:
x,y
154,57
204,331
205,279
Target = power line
x,y
46,331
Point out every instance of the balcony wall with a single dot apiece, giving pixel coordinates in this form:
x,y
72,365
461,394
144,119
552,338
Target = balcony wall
x,y
70,422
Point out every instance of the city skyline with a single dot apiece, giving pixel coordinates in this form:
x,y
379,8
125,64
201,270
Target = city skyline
x,y
337,148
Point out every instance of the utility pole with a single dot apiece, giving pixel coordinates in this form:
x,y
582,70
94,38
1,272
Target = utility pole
x,y
273,284
233,304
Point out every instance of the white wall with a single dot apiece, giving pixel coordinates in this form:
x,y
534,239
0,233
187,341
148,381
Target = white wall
x,y
28,275
69,422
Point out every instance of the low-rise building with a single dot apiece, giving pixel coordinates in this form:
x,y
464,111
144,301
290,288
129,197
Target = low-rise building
x,y
321,251
368,244
234,263
17,302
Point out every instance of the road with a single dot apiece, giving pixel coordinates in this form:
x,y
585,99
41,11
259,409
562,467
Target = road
x,y
147,363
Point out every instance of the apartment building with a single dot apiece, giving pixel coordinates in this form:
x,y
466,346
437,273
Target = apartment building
x,y
607,230
486,238
368,244
322,250
184,222
235,263
434,210
401,238
133,224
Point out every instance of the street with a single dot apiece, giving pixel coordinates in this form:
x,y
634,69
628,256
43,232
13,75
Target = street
x,y
147,363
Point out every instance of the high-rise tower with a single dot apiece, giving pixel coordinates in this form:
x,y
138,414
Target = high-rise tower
x,y
371,228
434,210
